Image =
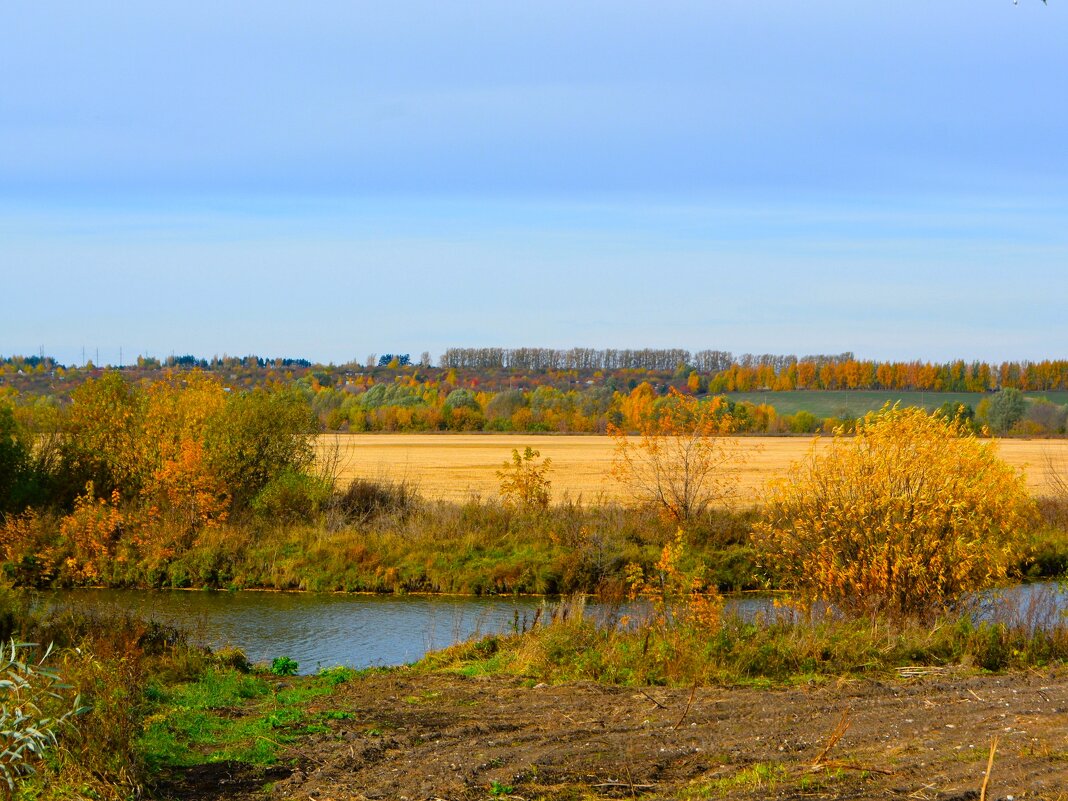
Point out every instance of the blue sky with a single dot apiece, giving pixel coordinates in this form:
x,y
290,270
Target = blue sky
x,y
331,179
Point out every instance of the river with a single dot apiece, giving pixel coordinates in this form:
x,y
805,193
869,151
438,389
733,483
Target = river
x,y
322,630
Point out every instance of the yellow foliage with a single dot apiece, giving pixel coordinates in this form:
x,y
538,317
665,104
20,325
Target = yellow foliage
x,y
681,462
181,486
24,541
103,423
637,407
677,595
524,481
91,531
903,518
190,495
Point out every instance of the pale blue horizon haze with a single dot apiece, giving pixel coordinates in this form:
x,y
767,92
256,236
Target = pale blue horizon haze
x,y
328,180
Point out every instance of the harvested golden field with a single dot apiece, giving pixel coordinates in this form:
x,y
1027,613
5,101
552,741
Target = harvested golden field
x,y
455,466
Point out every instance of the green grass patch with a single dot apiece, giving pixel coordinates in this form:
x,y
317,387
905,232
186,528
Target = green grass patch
x,y
855,403
226,715
760,776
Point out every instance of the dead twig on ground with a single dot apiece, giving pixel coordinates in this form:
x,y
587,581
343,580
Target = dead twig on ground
x,y
659,705
989,767
686,711
822,763
832,741
917,671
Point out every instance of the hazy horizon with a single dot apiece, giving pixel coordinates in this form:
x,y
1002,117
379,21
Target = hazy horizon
x,y
337,179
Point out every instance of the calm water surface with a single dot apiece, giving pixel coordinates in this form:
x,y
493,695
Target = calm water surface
x,y
316,630
365,630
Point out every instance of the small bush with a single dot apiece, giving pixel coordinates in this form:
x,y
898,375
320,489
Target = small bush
x,y
284,666
524,480
26,731
364,499
682,463
234,658
292,496
339,674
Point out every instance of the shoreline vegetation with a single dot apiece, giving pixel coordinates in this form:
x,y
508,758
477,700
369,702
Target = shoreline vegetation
x,y
474,549
181,483
879,538
152,716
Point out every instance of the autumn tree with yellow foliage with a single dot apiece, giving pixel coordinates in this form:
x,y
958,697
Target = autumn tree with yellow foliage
x,y
179,488
902,519
682,461
144,469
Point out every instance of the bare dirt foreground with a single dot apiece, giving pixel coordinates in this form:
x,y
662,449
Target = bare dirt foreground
x,y
404,735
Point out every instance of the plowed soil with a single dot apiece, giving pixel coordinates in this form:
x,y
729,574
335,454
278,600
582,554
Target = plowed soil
x,y
405,735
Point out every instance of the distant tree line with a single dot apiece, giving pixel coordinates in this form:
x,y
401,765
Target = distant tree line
x,y
714,371
188,361
652,359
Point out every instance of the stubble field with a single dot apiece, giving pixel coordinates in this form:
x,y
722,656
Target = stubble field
x,y
457,466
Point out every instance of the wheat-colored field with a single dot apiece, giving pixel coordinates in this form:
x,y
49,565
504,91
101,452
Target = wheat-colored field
x,y
455,466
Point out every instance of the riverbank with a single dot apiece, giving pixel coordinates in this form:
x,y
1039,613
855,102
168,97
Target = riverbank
x,y
476,548
748,709
386,544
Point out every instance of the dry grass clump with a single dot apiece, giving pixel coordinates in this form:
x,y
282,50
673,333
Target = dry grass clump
x,y
364,499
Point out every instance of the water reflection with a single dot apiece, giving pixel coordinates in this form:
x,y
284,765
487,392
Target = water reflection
x,y
316,630
365,630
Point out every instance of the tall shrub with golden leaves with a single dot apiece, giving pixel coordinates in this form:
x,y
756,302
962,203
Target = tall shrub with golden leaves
x,y
902,519
180,491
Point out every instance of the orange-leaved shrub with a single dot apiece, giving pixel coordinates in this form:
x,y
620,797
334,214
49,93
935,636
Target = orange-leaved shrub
x,y
901,519
679,596
682,463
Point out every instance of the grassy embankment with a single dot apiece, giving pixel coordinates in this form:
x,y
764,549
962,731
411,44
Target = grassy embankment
x,y
151,706
380,537
411,545
763,651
